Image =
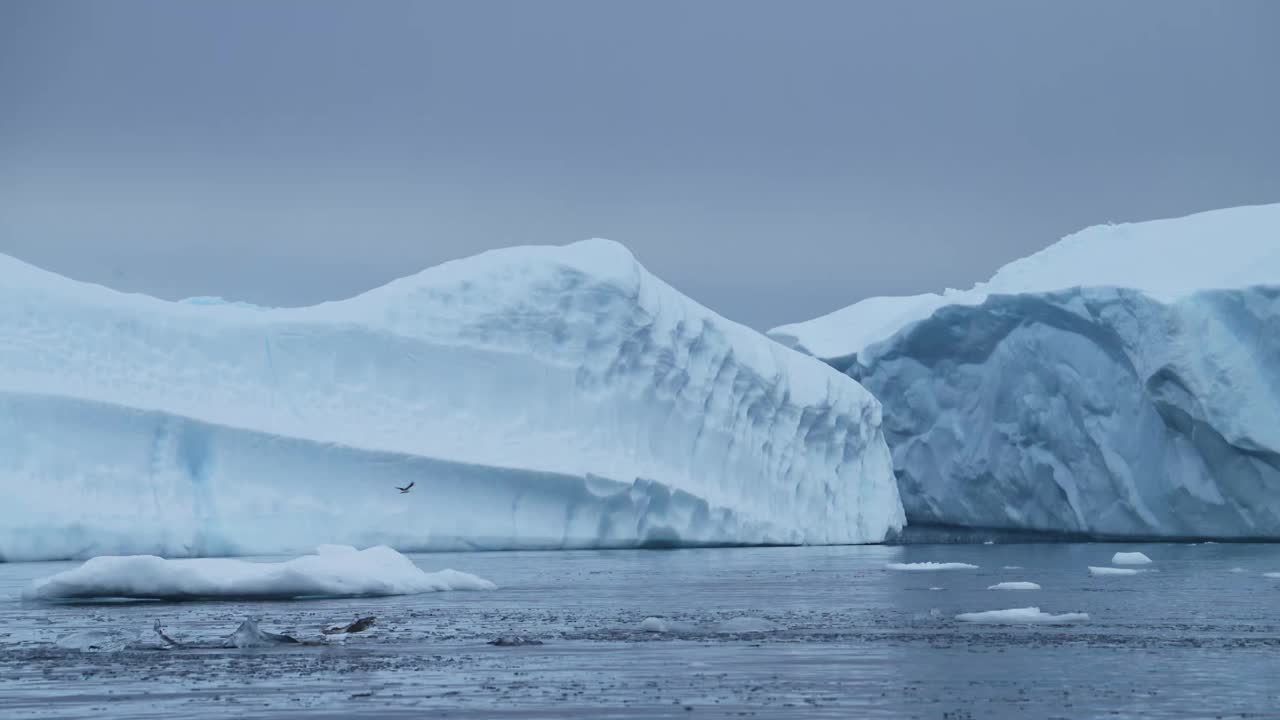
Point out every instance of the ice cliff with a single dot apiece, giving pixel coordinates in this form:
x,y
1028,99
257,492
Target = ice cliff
x,y
544,397
1124,381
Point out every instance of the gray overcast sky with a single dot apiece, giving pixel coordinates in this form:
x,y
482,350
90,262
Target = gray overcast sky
x,y
775,160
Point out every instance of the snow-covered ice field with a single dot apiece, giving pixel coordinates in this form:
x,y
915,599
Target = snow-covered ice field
x,y
774,632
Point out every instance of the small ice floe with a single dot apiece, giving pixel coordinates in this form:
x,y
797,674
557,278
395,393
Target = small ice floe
x,y
665,625
514,641
1130,558
1018,616
1105,571
1274,575
334,571
249,635
1012,567
936,588
989,542
1236,570
924,566
1015,586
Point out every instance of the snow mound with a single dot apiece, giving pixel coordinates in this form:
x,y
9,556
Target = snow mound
x,y
927,566
1119,383
1018,616
1015,586
1130,558
1110,571
540,397
335,571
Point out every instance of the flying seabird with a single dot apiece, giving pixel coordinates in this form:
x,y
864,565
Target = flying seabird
x,y
406,488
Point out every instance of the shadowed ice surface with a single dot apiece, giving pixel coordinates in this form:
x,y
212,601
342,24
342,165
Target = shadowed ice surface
x,y
803,632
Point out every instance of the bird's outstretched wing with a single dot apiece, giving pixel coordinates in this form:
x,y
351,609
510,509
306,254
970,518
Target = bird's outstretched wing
x,y
406,488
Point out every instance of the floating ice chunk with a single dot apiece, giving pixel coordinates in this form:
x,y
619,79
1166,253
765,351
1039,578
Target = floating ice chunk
x,y
1012,567
664,625
1015,586
936,588
930,566
1130,558
335,571
1236,570
1271,575
747,625
1030,615
1103,571
989,542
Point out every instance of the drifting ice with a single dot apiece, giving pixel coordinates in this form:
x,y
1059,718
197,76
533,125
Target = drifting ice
x,y
540,397
1130,558
1028,615
1121,383
925,566
335,571
1104,571
1015,586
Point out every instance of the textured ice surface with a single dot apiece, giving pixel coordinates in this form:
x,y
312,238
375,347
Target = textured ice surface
x,y
335,571
926,566
1106,571
1130,558
1027,615
1121,382
1015,586
540,397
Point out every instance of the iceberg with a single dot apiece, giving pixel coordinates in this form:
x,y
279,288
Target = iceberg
x,y
539,397
1120,383
334,571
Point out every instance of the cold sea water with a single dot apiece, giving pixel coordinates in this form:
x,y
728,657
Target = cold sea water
x,y
763,632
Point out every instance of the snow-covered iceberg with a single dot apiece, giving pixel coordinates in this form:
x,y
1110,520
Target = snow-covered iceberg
x,y
334,571
539,397
1123,382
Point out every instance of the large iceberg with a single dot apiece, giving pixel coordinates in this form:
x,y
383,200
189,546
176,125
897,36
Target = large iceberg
x,y
539,397
1123,382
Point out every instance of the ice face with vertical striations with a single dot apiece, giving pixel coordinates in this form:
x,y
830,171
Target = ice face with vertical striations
x,y
1124,381
542,397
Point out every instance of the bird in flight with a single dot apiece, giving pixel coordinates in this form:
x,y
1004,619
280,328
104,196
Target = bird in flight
x,y
406,488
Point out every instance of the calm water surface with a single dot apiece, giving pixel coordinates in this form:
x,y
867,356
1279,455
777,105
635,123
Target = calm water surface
x,y
1197,636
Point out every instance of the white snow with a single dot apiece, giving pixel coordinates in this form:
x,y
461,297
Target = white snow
x,y
1015,586
1130,558
1105,571
1027,615
925,566
540,397
1119,383
334,571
